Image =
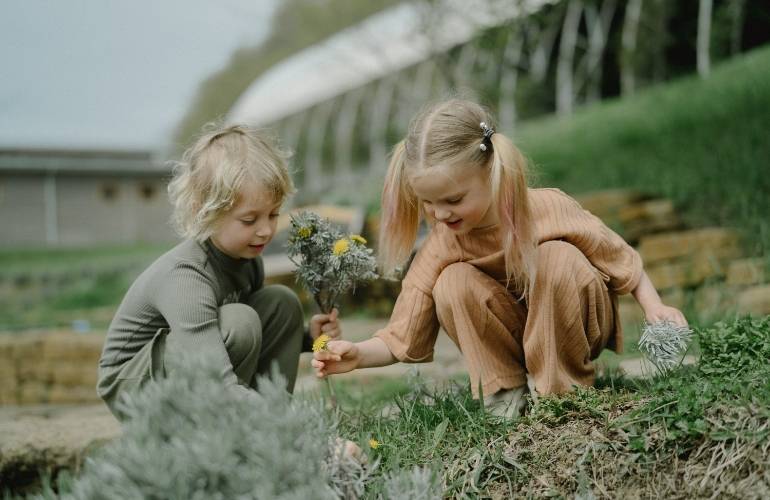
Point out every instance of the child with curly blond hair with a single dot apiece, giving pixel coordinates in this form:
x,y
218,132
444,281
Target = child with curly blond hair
x,y
207,296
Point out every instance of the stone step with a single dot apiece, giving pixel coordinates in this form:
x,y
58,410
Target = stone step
x,y
751,271
754,300
606,203
711,242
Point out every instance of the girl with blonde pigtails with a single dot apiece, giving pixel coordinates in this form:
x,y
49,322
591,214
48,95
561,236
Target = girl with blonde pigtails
x,y
524,281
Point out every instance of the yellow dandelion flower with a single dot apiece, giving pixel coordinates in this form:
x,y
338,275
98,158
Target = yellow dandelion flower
x,y
358,238
374,444
321,342
304,232
341,246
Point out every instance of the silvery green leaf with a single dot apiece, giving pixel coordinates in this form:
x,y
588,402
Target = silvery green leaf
x,y
664,344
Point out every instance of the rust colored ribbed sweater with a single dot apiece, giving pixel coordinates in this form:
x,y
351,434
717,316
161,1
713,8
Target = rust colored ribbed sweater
x,y
411,332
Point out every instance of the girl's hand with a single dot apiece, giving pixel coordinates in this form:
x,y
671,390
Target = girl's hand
x,y
340,356
325,323
662,312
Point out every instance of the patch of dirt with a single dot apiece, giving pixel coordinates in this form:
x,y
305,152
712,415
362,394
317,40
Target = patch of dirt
x,y
587,458
47,439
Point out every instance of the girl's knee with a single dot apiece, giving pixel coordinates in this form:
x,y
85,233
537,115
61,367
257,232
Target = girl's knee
x,y
559,261
451,284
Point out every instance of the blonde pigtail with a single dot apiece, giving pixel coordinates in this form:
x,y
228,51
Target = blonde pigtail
x,y
508,178
400,216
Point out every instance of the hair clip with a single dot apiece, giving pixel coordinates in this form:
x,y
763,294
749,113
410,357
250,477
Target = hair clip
x,y
488,131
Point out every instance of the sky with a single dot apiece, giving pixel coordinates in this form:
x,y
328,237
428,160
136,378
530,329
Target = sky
x,y
113,74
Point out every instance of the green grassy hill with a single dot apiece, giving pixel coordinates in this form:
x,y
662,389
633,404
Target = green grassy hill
x,y
703,143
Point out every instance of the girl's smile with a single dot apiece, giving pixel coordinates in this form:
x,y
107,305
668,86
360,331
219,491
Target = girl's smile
x,y
455,224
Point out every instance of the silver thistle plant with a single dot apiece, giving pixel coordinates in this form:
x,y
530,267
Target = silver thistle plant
x,y
664,344
419,482
329,263
187,438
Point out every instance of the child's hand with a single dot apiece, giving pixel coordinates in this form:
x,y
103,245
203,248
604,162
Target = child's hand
x,y
325,323
662,312
340,356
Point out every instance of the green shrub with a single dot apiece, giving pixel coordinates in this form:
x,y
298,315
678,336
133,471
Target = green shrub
x,y
185,437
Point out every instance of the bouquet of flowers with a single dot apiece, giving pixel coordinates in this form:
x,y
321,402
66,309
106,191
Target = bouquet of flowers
x,y
664,344
328,262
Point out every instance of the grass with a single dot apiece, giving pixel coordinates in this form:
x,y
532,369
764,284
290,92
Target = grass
x,y
51,288
699,431
702,143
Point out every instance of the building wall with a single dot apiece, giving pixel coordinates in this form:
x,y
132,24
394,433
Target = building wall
x,y
22,213
90,209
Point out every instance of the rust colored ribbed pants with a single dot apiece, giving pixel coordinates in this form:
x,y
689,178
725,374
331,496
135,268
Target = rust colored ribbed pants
x,y
568,321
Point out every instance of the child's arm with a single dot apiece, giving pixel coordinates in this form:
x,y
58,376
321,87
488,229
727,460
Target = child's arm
x,y
342,356
654,308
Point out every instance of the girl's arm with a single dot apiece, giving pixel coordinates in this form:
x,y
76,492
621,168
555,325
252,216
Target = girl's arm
x,y
654,308
342,356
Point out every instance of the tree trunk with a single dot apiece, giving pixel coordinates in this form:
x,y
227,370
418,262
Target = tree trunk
x,y
379,117
540,56
319,120
466,61
564,67
737,14
704,37
344,135
628,50
598,32
510,71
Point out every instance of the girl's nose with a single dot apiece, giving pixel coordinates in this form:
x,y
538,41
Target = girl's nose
x,y
441,215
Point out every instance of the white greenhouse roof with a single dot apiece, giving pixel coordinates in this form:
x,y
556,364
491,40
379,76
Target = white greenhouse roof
x,y
383,43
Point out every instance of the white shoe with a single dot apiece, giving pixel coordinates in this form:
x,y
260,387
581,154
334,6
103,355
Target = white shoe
x,y
506,403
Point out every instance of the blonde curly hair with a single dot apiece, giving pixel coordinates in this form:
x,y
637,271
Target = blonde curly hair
x,y
213,172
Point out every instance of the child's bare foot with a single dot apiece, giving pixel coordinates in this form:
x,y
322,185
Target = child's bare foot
x,y
506,403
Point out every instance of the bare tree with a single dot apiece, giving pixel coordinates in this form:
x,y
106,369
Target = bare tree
x,y
540,51
737,14
598,22
510,71
628,49
565,94
704,37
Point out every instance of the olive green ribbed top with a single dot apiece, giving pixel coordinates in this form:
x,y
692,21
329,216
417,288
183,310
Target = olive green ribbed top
x,y
183,291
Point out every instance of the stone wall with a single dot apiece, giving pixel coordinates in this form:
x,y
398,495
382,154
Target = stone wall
x,y
703,271
49,368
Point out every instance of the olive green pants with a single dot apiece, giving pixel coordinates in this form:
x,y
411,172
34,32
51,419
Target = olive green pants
x,y
267,328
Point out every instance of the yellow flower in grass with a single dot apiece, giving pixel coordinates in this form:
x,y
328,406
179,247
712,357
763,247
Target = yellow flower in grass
x,y
304,232
374,444
358,238
321,342
341,246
